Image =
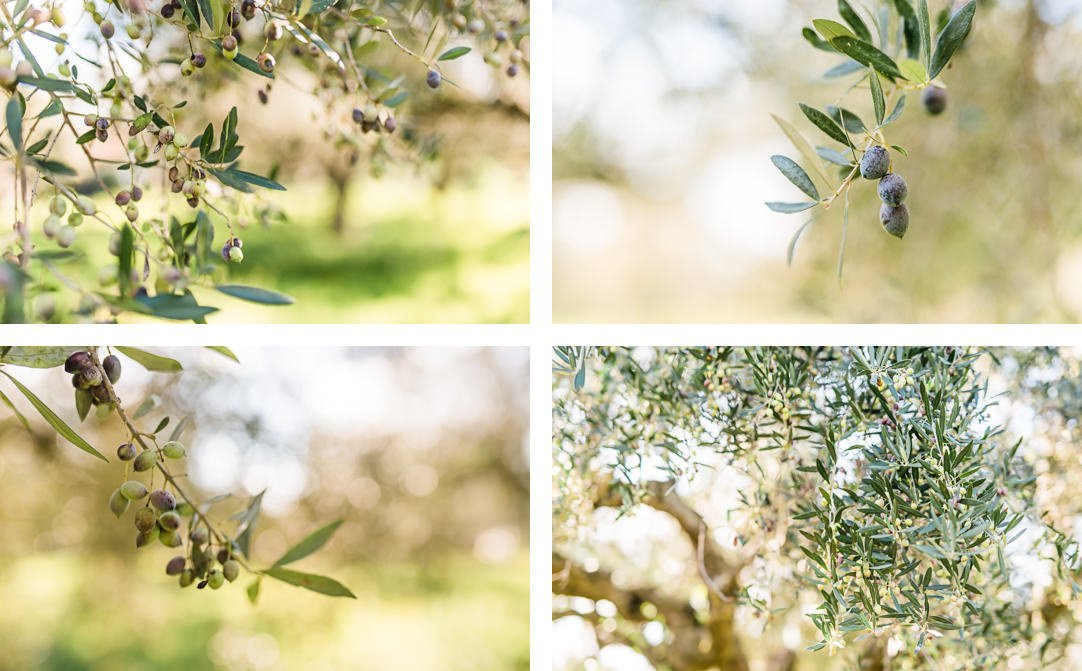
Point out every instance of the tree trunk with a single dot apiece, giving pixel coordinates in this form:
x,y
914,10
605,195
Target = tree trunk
x,y
341,179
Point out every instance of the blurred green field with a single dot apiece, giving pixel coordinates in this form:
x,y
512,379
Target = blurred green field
x,y
73,611
410,253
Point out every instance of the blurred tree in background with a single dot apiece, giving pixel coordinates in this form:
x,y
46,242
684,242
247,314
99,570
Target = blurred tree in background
x,y
674,208
816,508
421,452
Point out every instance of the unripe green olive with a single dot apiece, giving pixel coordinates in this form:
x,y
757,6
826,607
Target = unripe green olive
x,y
171,152
65,236
169,539
173,450
125,452
215,578
231,569
133,490
163,500
146,460
187,577
169,521
118,503
175,566
185,509
58,206
145,519
86,205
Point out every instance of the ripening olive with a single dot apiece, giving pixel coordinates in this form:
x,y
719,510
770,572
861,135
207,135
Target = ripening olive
x,y
76,362
231,569
162,500
175,566
146,460
169,521
199,536
145,519
125,452
111,364
186,577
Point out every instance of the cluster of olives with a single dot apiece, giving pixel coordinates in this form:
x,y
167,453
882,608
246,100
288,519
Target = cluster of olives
x,y
501,38
893,214
54,225
162,517
88,379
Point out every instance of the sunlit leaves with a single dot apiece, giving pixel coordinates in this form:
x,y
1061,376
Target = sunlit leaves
x,y
310,581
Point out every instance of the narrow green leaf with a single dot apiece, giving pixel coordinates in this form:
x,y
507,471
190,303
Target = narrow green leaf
x,y
791,251
878,102
47,84
18,415
224,351
913,71
453,53
854,20
825,124
831,29
925,27
51,417
37,357
804,148
866,54
152,362
311,581
896,113
14,114
310,544
790,208
795,174
246,526
952,37
818,42
253,590
254,294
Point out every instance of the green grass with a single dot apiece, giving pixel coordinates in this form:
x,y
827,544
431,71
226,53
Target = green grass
x,y
69,611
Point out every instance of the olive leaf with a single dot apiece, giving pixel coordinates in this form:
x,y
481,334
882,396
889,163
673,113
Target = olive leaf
x,y
54,420
866,54
310,581
825,124
951,38
310,544
795,174
150,361
878,102
37,357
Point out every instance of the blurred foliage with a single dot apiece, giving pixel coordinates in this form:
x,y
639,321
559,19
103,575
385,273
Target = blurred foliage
x,y
994,234
421,452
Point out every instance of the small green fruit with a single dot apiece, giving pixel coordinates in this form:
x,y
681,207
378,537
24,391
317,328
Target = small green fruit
x,y
133,490
169,539
185,509
215,578
231,569
146,519
186,578
118,503
146,460
173,450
